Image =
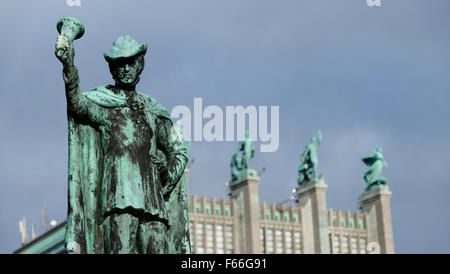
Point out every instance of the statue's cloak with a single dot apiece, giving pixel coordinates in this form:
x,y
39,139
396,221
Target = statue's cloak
x,y
370,160
83,229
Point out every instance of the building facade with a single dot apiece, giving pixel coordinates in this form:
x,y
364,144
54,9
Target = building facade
x,y
244,225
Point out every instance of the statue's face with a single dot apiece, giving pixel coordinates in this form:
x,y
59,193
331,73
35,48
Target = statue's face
x,y
126,71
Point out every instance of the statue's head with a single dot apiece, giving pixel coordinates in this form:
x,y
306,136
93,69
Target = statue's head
x,y
379,152
126,60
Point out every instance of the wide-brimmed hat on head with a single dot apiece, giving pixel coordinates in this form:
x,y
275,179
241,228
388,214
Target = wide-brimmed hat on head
x,y
125,47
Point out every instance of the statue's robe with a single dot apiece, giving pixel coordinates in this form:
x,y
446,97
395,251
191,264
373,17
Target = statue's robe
x,y
236,166
113,166
178,234
307,171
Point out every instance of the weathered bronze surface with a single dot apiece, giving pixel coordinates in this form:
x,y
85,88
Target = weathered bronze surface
x,y
309,160
376,164
240,162
127,191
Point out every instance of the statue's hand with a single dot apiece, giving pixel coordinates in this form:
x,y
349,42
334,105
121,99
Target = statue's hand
x,y
64,50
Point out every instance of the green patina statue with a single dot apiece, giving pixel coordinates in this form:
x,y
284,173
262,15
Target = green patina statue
x,y
240,162
373,176
126,185
309,160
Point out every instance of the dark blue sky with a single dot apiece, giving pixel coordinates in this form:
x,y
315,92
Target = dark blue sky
x,y
368,77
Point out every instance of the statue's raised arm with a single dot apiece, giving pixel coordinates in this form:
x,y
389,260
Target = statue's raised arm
x,y
70,29
249,149
319,137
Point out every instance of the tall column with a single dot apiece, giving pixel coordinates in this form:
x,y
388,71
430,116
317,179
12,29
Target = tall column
x,y
315,192
376,203
246,193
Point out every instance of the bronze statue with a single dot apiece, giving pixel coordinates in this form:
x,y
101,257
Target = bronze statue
x,y
240,162
373,176
309,160
124,167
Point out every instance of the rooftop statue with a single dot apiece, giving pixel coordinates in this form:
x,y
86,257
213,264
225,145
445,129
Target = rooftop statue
x,y
240,162
125,179
309,160
376,163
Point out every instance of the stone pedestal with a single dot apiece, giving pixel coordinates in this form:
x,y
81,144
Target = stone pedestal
x,y
376,203
315,191
246,193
